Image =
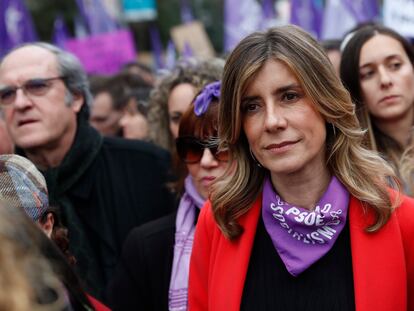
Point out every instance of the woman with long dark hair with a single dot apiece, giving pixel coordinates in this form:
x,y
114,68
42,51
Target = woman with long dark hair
x,y
377,68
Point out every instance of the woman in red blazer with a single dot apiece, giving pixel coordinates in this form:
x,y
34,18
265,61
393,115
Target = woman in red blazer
x,y
307,222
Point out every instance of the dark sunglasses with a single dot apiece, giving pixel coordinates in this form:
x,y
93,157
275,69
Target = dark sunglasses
x,y
35,87
191,149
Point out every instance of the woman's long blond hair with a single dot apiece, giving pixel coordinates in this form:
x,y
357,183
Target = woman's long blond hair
x,y
362,171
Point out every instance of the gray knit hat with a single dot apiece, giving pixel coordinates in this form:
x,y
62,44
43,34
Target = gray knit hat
x,y
23,186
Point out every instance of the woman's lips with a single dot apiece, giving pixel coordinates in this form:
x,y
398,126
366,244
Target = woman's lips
x,y
389,99
281,147
207,180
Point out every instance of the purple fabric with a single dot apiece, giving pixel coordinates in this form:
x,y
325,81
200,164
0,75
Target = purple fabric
x,y
363,10
307,14
186,13
268,9
16,26
268,15
95,17
60,32
187,51
241,18
301,237
156,46
170,55
184,237
210,91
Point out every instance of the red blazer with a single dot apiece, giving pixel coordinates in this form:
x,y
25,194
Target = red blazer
x,y
382,262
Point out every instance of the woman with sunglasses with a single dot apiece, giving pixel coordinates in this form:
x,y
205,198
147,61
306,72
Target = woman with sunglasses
x,y
153,270
378,69
306,221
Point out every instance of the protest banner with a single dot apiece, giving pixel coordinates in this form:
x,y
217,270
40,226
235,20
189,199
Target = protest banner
x,y
192,36
104,53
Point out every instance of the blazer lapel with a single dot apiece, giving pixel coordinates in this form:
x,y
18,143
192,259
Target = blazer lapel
x,y
233,262
378,262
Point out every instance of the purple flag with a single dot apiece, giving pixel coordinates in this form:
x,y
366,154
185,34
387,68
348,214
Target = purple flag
x,y
187,51
308,15
342,15
268,14
156,46
96,19
362,10
186,13
268,9
60,32
241,18
170,55
16,25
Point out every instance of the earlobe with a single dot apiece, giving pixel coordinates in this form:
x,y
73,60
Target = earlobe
x,y
78,102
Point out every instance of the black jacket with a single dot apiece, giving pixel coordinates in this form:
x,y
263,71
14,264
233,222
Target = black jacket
x,y
142,278
104,187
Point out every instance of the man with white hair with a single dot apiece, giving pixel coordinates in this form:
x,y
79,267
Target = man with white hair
x,y
102,186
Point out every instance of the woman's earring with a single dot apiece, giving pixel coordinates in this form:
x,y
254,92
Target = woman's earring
x,y
333,129
254,158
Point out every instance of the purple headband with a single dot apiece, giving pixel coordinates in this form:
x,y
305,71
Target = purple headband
x,y
210,91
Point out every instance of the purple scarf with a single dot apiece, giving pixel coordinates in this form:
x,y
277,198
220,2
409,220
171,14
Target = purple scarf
x,y
184,236
300,236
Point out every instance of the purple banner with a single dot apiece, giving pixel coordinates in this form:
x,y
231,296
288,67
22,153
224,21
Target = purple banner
x,y
16,25
104,53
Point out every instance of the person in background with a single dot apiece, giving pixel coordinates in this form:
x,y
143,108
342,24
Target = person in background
x,y
23,187
116,100
333,50
6,143
377,69
103,186
173,93
170,98
105,115
134,123
140,69
307,221
153,271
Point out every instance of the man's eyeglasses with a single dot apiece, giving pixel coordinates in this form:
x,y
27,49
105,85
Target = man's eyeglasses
x,y
32,87
191,149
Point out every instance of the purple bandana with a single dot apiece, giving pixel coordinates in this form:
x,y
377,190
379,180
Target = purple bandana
x,y
301,237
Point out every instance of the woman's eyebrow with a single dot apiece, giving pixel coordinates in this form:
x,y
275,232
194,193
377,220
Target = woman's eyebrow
x,y
389,57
